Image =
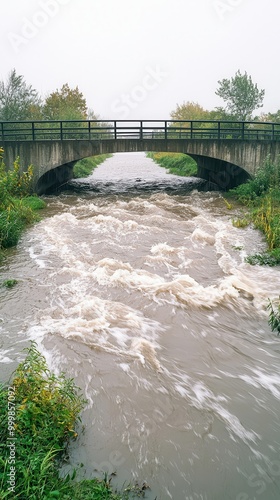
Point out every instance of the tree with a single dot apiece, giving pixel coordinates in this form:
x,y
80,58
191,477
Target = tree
x,y
241,95
189,111
270,117
65,104
18,101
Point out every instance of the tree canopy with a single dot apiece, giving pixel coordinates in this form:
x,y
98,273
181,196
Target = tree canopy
x,y
189,111
241,95
18,101
65,104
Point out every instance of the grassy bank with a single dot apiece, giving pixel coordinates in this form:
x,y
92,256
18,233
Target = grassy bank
x,y
84,167
176,163
17,208
38,414
261,197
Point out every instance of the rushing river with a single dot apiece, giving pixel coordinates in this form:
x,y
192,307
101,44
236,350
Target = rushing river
x,y
143,296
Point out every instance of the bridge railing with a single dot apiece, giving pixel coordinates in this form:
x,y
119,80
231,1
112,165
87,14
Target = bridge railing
x,y
40,130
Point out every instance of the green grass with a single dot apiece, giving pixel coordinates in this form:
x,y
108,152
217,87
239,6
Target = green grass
x,y
261,196
38,416
84,167
176,163
15,216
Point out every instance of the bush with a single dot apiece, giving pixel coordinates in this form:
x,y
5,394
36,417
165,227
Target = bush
x,y
262,196
267,178
16,207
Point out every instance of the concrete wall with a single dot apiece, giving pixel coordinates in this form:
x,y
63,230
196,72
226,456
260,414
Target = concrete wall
x,y
226,162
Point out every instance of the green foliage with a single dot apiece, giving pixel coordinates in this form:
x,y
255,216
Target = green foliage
x,y
262,196
271,258
16,207
190,111
270,117
267,178
274,316
84,167
45,408
176,163
18,101
14,182
241,95
10,283
33,202
65,104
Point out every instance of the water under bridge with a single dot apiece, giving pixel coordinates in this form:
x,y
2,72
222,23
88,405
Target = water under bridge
x,y
227,152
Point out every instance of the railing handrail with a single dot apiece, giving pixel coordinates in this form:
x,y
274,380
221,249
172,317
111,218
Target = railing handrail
x,y
141,120
34,130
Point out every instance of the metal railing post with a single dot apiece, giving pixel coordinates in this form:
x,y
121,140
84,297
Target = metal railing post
x,y
61,131
243,131
165,130
33,131
115,129
2,132
141,130
219,130
191,129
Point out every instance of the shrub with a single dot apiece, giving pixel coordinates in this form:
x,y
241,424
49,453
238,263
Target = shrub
x,y
267,178
16,207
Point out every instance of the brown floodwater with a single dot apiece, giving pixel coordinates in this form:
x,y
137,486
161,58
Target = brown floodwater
x,y
136,285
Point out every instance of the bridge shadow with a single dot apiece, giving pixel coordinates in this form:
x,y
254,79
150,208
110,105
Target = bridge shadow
x,y
212,174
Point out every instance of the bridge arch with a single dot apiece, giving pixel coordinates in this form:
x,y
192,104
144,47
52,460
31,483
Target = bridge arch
x,y
222,173
227,153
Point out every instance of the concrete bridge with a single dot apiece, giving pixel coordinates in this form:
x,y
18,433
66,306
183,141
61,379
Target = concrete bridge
x,y
227,153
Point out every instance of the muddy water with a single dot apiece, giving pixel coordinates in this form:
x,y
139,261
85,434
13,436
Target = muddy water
x,y
144,297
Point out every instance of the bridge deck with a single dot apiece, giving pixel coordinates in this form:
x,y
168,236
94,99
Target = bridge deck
x,y
137,129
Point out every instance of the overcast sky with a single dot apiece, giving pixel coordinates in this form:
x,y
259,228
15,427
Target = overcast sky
x,y
138,58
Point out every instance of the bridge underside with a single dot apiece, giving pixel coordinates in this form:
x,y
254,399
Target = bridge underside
x,y
226,163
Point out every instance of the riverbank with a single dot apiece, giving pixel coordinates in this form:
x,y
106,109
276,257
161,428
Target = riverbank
x,y
261,197
84,167
176,163
38,413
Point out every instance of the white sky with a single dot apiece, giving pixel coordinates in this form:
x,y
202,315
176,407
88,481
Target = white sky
x,y
136,59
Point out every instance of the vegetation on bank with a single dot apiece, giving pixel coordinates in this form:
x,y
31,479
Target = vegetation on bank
x,y
274,315
17,207
261,196
84,167
38,413
176,163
